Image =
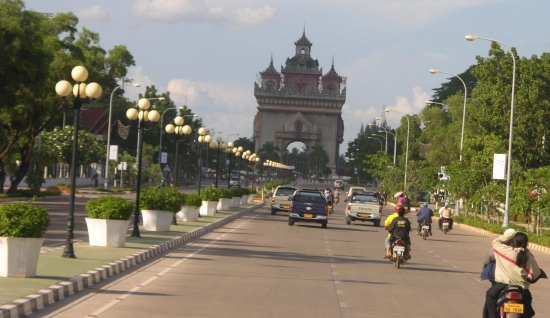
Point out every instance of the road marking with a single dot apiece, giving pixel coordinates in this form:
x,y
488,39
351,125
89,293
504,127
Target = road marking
x,y
160,274
343,304
340,292
333,265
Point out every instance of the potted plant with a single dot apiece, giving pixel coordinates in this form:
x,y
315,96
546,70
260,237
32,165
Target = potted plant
x,y
244,195
158,205
226,196
21,228
190,210
210,198
108,220
236,199
251,195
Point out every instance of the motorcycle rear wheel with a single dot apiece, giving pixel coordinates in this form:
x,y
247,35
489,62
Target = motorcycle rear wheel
x,y
424,234
398,262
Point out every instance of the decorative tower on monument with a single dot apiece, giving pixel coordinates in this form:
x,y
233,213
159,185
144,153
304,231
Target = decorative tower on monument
x,y
299,103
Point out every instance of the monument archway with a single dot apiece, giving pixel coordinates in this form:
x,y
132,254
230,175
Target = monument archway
x,y
299,103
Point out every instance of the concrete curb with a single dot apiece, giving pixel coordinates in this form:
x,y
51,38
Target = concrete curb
x,y
34,302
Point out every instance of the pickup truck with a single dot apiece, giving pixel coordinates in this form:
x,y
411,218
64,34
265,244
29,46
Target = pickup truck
x,y
279,199
363,206
308,206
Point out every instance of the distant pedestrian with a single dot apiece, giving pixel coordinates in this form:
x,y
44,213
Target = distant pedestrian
x,y
94,178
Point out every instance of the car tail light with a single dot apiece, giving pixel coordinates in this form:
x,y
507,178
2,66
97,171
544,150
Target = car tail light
x,y
349,207
272,200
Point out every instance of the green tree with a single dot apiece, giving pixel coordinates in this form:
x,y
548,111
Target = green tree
x,y
269,151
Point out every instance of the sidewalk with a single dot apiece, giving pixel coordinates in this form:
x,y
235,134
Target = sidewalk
x,y
59,277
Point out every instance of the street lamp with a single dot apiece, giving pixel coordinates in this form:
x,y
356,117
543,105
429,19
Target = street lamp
x,y
240,153
80,91
178,129
445,106
228,150
505,222
433,71
217,145
381,146
203,139
385,139
106,182
161,123
371,124
143,116
407,152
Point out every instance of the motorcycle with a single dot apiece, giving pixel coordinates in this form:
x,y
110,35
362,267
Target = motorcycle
x,y
445,226
398,252
425,229
510,302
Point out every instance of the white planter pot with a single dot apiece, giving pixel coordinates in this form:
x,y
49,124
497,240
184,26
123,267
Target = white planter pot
x,y
188,214
208,208
224,204
110,233
156,220
235,202
244,199
251,198
19,256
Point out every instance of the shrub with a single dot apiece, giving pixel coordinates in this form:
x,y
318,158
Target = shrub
x,y
164,199
225,193
109,207
193,200
209,194
23,220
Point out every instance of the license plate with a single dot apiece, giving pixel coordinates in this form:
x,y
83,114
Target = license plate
x,y
330,206
363,215
399,248
309,216
286,206
516,308
425,227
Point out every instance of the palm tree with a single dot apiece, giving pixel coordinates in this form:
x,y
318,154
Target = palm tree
x,y
317,155
269,152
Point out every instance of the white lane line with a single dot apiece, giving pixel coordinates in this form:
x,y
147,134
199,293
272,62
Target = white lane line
x,y
160,274
333,265
343,304
340,292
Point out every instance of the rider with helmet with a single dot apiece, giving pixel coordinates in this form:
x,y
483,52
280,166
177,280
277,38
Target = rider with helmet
x,y
424,214
446,213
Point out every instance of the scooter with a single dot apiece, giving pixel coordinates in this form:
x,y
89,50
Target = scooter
x,y
425,229
398,252
445,226
510,302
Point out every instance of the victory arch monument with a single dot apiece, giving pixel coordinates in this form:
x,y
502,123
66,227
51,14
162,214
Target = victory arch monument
x,y
300,103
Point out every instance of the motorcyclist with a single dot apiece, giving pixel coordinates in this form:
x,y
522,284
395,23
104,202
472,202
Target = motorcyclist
x,y
399,228
387,223
328,195
514,265
446,213
407,203
424,214
336,195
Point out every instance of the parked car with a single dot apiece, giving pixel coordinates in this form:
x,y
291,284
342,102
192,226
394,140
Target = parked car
x,y
234,182
308,206
279,199
364,206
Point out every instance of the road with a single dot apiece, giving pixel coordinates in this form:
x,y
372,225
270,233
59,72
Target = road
x,y
258,266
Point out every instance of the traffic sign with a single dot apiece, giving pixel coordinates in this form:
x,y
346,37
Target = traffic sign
x,y
537,191
166,168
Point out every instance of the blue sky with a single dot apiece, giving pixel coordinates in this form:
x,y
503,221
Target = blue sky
x,y
212,50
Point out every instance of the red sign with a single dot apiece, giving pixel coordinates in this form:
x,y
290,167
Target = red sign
x,y
537,191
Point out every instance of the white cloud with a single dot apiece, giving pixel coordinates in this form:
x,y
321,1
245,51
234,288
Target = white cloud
x,y
198,11
136,73
404,106
95,13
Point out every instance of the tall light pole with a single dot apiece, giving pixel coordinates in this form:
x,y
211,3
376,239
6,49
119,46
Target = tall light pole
x,y
240,154
505,222
203,139
161,123
80,91
381,145
433,71
217,145
230,146
143,116
394,139
106,181
407,152
386,138
445,106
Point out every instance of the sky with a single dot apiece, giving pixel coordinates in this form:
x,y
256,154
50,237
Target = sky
x,y
209,52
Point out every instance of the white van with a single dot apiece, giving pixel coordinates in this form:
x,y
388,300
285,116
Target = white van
x,y
339,184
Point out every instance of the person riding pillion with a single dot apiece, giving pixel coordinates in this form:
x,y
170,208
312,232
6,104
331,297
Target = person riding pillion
x,y
424,214
446,213
400,228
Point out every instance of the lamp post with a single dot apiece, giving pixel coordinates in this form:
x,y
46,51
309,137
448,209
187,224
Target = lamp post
x,y
143,116
217,145
445,106
505,222
80,91
246,156
407,152
229,149
433,71
240,154
106,182
177,129
381,146
161,123
386,138
203,139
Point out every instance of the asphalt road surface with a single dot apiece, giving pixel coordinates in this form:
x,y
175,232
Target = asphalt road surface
x,y
259,266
